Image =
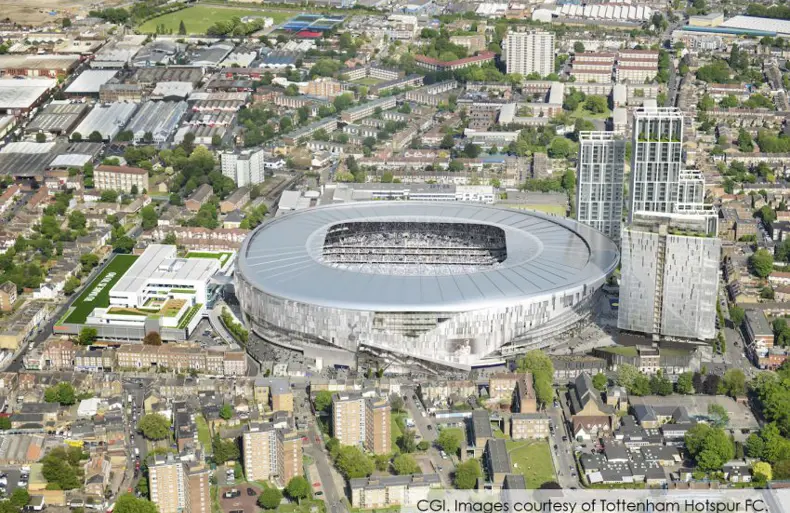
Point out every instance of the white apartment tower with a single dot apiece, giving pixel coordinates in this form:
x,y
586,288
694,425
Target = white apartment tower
x,y
669,276
530,51
656,160
244,168
599,190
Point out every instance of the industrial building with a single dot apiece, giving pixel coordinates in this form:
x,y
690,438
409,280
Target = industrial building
x,y
156,119
19,96
89,82
108,120
59,117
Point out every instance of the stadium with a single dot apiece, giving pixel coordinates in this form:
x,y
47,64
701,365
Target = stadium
x,y
433,283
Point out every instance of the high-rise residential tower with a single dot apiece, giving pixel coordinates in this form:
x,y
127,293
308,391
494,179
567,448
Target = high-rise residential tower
x,y
362,421
669,275
599,190
656,160
179,484
530,52
271,453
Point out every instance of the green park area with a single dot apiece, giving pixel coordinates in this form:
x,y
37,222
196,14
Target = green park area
x,y
199,18
97,294
368,81
532,459
222,256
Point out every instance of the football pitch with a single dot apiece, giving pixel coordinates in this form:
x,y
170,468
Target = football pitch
x,y
97,294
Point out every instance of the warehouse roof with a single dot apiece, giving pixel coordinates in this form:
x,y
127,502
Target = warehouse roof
x,y
107,119
90,80
22,93
57,117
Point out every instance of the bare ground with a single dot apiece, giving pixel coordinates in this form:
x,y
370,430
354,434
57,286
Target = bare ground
x,y
37,12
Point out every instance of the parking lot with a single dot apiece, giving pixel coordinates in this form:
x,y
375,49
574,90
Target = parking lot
x,y
246,501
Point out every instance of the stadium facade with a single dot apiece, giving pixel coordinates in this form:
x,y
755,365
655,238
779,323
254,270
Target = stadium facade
x,y
450,284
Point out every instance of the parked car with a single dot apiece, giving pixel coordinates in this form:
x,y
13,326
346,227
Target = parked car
x,y
251,492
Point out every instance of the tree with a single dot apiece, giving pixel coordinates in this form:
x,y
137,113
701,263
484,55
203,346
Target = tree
x,y
61,468
154,426
226,412
449,440
20,498
424,445
755,446
270,498
640,386
405,465
539,365
447,142
709,446
152,338
95,137
733,383
224,450
560,148
718,415
660,385
600,381
62,393
323,401
41,137
711,386
182,29
761,470
128,503
72,282
408,441
596,104
396,403
761,263
685,384
76,136
353,463
578,47
298,488
150,219
626,374
87,336
737,314
745,143
467,474
5,423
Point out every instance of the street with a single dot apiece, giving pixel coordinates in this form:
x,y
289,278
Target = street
x,y
333,499
443,467
562,456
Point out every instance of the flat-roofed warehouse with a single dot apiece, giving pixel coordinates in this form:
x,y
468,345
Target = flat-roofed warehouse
x,y
18,96
58,117
90,81
37,65
160,119
153,76
28,159
108,120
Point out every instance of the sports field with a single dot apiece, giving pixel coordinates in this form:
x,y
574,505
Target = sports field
x,y
199,18
97,294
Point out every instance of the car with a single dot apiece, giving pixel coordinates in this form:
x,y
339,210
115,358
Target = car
x,y
564,438
440,468
232,494
319,493
430,427
316,484
414,397
317,440
555,446
251,492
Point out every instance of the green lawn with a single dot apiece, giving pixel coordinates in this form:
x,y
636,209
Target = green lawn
x,y
204,435
581,112
557,210
532,459
621,350
199,18
369,81
89,299
188,316
395,431
222,256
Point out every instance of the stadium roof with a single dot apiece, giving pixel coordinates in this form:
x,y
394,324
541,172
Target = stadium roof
x,y
546,255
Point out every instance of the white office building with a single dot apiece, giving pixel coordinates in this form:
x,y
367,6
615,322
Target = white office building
x,y
245,168
528,52
599,190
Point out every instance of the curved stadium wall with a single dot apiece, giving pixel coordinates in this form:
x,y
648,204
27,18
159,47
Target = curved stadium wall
x,y
444,283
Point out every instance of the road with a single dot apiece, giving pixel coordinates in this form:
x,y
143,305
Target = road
x,y
563,454
333,499
137,388
442,466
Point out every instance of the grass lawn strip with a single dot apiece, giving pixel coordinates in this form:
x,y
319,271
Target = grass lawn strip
x,y
188,316
89,300
199,18
204,435
532,459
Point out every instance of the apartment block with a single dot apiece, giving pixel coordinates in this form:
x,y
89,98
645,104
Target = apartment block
x,y
380,492
599,189
324,87
246,167
282,397
656,160
529,426
362,421
524,398
530,52
271,454
669,277
179,484
367,109
120,178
